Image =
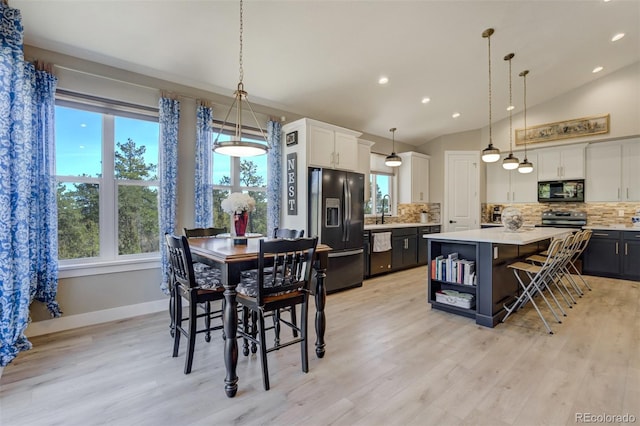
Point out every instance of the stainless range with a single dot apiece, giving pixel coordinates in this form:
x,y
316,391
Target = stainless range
x,y
564,219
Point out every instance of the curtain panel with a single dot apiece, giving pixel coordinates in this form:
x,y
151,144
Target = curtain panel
x,y
169,116
28,221
274,176
203,192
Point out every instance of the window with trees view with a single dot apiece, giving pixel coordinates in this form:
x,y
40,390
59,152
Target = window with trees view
x,y
240,174
107,183
381,196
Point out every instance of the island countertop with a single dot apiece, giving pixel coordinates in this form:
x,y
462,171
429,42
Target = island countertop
x,y
523,236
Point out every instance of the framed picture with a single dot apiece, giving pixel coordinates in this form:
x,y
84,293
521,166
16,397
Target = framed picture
x,y
292,138
564,129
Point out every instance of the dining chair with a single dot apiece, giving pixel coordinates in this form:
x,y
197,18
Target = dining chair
x,y
204,272
284,273
202,289
286,233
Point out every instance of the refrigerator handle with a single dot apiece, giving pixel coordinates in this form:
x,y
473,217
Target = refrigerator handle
x,y
347,218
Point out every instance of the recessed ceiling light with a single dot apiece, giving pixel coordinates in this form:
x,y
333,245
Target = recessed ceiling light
x,y
617,37
426,100
383,80
510,108
597,69
455,115
606,1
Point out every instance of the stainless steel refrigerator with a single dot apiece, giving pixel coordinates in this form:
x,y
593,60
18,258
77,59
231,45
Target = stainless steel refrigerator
x,y
336,216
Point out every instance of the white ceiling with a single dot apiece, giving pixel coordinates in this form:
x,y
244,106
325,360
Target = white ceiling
x,y
322,59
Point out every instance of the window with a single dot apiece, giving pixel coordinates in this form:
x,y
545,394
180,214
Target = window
x,y
240,174
381,197
107,183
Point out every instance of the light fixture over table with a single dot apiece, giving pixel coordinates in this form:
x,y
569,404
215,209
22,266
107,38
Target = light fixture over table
x,y
236,146
510,162
525,166
490,154
393,160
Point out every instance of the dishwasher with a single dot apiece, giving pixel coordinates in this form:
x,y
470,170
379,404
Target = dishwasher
x,y
380,260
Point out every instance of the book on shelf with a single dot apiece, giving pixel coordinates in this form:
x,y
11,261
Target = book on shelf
x,y
453,269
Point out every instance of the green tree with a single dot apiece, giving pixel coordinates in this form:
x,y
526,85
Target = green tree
x,y
248,178
137,205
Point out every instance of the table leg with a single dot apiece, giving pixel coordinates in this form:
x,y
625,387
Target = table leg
x,y
230,322
321,297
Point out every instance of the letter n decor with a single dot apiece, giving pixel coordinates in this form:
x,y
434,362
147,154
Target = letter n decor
x,y
292,184
564,129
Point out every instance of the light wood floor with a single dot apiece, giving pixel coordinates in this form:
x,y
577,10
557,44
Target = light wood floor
x,y
390,360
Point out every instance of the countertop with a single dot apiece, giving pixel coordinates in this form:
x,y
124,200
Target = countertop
x,y
524,236
612,227
398,225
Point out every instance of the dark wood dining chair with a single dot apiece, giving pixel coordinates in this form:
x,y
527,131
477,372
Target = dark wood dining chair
x,y
284,274
206,273
288,233
202,289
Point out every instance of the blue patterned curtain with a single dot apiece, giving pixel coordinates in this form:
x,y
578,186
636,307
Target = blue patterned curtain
x,y
44,207
28,262
274,176
169,118
203,192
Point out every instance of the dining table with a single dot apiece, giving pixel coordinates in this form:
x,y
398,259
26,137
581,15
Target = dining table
x,y
232,259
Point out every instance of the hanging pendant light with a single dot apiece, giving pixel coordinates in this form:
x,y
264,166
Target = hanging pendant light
x,y
236,146
510,162
393,160
490,154
525,166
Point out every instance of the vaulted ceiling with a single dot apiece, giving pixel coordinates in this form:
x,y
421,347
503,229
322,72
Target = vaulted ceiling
x,y
323,59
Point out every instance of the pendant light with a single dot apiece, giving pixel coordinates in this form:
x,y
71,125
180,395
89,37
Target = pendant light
x,y
525,166
510,162
490,154
236,146
393,160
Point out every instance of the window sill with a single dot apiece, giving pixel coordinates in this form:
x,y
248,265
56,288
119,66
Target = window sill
x,y
108,267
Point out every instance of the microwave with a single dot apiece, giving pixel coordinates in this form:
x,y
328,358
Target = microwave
x,y
569,191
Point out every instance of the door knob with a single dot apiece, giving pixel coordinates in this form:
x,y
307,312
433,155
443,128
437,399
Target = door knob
x,y
452,221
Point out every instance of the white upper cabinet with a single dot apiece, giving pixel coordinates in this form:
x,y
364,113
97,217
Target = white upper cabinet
x,y
561,163
511,186
364,165
613,171
332,147
413,178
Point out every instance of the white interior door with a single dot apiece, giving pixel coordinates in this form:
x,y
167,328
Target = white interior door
x,y
462,191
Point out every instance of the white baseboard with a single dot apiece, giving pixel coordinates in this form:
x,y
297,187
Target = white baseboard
x,y
97,317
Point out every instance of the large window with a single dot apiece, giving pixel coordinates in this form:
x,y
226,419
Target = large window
x,y
106,171
381,196
240,174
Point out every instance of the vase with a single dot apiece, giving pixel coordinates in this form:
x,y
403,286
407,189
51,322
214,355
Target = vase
x,y
240,221
512,219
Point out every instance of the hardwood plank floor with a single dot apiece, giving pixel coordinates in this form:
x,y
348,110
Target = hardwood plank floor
x,y
390,360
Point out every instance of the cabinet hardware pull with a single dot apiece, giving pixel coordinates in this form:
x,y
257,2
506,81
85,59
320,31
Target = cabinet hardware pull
x,y
616,248
625,249
600,235
338,155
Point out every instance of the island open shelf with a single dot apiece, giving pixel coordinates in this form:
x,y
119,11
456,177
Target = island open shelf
x,y
492,249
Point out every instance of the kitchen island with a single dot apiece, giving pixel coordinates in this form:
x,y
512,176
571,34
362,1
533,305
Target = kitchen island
x,y
490,250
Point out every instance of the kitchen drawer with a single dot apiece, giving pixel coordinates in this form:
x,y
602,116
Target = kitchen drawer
x,y
602,233
401,232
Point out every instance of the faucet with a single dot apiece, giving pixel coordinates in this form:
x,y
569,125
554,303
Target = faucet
x,y
388,202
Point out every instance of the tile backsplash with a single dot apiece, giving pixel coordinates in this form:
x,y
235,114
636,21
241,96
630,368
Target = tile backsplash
x,y
597,213
410,213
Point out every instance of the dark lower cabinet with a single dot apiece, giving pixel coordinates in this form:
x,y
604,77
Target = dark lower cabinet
x,y
631,255
423,255
404,250
613,254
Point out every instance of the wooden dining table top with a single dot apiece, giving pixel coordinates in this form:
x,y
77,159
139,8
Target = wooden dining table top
x,y
225,251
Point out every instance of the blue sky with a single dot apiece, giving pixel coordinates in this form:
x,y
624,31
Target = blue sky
x,y
79,142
